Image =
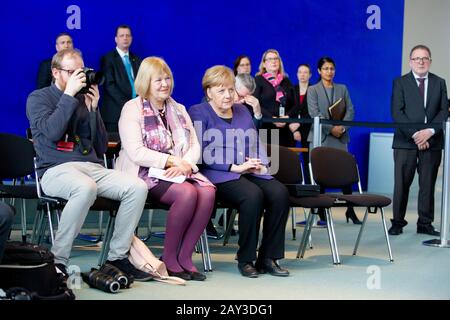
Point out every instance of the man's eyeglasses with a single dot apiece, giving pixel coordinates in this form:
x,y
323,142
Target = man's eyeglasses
x,y
423,59
69,72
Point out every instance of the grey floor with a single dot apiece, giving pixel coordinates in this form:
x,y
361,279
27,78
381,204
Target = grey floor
x,y
418,271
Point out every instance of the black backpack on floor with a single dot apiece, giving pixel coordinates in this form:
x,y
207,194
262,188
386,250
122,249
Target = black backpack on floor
x,y
32,268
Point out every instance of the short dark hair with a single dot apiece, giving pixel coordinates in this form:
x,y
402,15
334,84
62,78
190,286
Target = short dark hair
x,y
123,26
63,34
420,46
237,62
324,60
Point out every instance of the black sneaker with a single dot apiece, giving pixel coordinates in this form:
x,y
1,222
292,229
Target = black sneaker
x,y
61,269
62,273
125,266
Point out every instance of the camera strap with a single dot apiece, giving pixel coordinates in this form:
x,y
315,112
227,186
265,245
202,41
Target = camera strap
x,y
85,149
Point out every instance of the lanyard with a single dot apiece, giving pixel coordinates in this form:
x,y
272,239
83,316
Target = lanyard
x,y
326,93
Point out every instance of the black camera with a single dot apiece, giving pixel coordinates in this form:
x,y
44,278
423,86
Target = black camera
x,y
92,77
100,280
121,277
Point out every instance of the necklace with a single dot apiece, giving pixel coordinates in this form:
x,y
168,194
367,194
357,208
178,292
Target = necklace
x,y
162,112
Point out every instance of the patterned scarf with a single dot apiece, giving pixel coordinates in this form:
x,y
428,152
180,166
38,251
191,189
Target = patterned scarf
x,y
275,82
173,140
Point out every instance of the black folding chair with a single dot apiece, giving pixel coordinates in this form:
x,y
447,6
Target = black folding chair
x,y
290,174
17,164
334,168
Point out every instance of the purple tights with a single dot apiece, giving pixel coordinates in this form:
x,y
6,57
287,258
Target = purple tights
x,y
190,210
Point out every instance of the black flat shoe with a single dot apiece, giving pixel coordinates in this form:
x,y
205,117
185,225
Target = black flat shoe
x,y
428,230
395,230
181,274
271,267
196,276
247,269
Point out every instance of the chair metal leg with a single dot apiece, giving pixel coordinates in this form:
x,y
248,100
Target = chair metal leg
x,y
41,227
230,224
293,223
225,217
149,226
37,225
332,237
107,240
310,244
50,224
203,252
361,231
24,221
306,234
391,259
208,253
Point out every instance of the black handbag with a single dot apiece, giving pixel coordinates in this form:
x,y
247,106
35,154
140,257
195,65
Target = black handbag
x,y
303,190
31,267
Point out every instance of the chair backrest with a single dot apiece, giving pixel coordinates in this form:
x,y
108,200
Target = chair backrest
x,y
289,169
17,156
333,168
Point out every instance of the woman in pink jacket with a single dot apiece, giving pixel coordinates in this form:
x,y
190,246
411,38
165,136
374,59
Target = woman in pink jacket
x,y
157,135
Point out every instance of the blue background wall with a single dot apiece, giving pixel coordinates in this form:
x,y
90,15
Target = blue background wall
x,y
192,37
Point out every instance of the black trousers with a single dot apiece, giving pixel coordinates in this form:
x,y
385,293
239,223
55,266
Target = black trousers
x,y
406,162
6,220
256,197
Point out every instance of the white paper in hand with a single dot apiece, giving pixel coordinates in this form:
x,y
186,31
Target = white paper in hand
x,y
159,174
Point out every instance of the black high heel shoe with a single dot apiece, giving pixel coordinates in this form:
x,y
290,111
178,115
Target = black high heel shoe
x,y
350,214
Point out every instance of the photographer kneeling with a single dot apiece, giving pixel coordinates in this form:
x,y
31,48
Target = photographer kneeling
x,y
70,138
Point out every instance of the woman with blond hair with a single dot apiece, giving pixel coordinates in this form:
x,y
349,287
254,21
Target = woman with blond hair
x,y
236,162
276,95
157,133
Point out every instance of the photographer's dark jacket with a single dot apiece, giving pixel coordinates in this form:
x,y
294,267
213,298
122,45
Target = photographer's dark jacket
x,y
53,114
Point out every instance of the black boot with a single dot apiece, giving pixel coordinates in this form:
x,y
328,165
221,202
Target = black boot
x,y
350,214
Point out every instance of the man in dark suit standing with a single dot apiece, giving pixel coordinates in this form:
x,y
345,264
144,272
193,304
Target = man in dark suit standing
x,y
44,79
417,97
120,67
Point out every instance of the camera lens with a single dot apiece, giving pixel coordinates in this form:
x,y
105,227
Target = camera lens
x,y
92,77
99,280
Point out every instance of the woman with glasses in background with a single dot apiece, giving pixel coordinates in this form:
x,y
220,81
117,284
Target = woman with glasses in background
x,y
242,64
275,93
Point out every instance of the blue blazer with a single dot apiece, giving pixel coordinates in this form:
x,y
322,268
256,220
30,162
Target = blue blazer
x,y
223,143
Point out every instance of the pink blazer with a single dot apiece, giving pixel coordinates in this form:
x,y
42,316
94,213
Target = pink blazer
x,y
135,154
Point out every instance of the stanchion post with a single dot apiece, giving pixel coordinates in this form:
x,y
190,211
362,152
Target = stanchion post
x,y
443,242
317,132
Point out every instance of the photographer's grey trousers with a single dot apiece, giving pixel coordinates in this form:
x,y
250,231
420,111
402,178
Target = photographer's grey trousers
x,y
80,183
